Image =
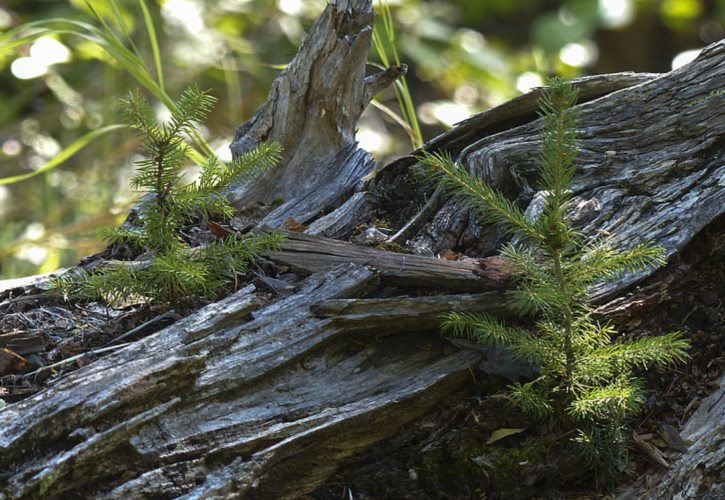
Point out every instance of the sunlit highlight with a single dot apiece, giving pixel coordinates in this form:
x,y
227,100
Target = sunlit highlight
x,y
371,140
186,13
291,7
685,57
579,54
445,112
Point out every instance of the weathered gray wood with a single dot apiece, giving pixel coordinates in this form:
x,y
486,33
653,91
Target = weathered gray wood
x,y
312,110
27,281
342,221
652,162
407,314
700,471
520,110
303,252
249,401
221,404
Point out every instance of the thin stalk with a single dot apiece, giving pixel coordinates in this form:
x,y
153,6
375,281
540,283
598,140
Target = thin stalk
x,y
384,39
568,321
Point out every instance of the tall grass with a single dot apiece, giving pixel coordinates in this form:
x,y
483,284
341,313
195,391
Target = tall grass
x,y
384,44
118,44
106,27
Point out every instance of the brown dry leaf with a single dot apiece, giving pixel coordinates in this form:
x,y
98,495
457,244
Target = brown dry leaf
x,y
126,301
448,254
294,225
218,230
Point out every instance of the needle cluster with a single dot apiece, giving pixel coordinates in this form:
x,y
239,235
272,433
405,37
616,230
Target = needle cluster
x,y
174,269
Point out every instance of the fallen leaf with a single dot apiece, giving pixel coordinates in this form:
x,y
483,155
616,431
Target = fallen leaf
x,y
448,254
499,434
218,230
11,363
294,225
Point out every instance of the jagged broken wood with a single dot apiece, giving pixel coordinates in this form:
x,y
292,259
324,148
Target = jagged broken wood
x,y
253,408
235,400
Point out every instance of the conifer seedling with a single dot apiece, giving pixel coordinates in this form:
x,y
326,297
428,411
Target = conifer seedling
x,y
586,378
175,270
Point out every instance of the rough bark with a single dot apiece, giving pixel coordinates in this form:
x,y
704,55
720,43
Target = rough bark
x,y
236,401
312,111
700,472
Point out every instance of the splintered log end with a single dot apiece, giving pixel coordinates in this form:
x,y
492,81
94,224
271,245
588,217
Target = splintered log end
x,y
312,110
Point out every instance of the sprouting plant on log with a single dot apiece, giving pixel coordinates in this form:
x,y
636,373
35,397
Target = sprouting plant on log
x,y
586,379
174,269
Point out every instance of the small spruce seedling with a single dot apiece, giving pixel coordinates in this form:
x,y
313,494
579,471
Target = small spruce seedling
x,y
175,270
586,379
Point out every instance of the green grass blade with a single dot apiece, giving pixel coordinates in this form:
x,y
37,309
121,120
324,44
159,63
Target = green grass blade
x,y
153,40
64,155
384,41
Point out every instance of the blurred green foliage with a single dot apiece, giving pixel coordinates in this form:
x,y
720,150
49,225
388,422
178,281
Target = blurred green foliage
x,y
464,56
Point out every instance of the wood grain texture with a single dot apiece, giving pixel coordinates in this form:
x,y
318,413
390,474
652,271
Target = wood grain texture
x,y
239,401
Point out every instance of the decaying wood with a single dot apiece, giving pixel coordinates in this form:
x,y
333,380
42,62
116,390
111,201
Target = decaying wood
x,y
314,253
312,111
407,314
270,395
699,472
235,400
647,172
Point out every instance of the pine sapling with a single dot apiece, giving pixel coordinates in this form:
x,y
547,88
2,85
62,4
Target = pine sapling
x,y
586,380
175,270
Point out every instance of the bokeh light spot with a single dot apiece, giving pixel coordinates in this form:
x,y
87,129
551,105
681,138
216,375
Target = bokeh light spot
x,y
25,68
12,147
44,52
6,20
371,140
616,13
50,51
291,7
186,13
579,54
528,80
685,57
681,9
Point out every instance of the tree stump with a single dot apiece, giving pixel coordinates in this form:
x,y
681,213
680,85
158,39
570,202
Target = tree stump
x,y
241,400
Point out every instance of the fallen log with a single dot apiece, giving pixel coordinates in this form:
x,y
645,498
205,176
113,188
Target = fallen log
x,y
267,394
235,400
